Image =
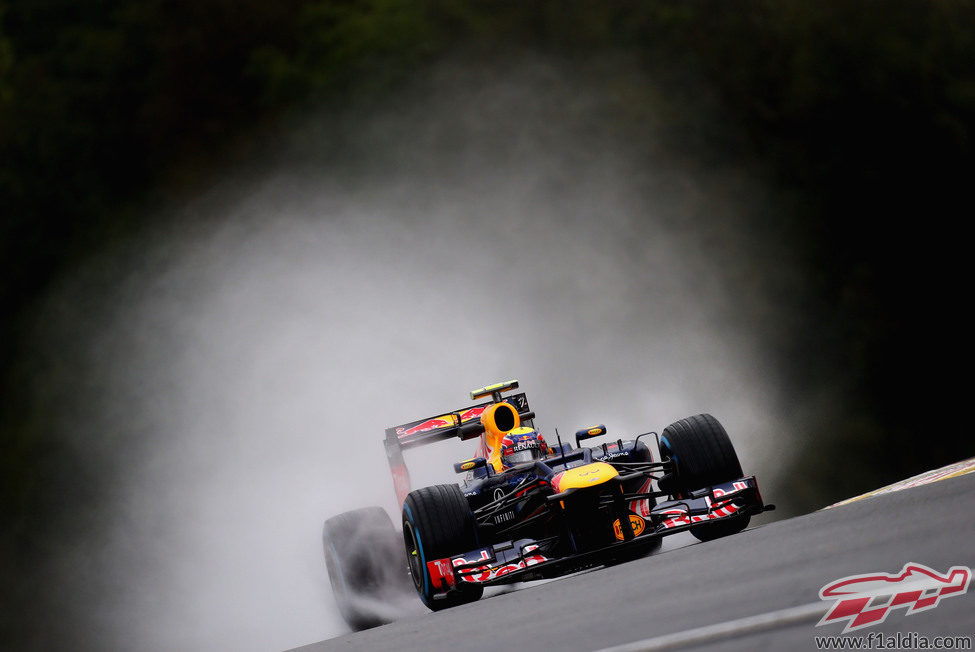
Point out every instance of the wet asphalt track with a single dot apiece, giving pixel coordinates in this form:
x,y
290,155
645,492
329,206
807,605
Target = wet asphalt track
x,y
768,568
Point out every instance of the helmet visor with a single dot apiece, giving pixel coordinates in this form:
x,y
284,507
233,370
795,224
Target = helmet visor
x,y
521,456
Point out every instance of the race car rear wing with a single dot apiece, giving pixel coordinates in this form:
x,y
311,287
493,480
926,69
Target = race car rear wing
x,y
464,424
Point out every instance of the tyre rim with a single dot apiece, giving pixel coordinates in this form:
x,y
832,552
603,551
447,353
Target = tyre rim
x,y
413,553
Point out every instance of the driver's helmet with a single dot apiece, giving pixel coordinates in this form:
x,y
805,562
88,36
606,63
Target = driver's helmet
x,y
522,445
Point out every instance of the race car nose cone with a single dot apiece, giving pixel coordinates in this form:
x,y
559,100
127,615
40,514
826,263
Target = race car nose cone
x,y
589,475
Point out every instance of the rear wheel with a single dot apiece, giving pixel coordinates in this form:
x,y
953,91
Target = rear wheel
x,y
704,456
365,564
437,523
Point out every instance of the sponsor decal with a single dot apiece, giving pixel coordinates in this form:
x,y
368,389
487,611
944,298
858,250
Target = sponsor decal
x,y
738,486
680,516
866,600
441,574
486,572
637,523
429,424
443,421
467,466
504,517
590,475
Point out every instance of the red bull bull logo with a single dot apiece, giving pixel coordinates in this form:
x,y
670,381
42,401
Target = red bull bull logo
x,y
430,424
443,421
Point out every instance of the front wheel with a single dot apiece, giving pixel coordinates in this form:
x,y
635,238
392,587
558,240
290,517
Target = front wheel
x,y
437,523
703,456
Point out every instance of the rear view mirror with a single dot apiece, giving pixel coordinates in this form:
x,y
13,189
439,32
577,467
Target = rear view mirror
x,y
470,465
589,433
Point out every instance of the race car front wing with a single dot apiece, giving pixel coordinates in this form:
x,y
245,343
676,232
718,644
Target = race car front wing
x,y
526,559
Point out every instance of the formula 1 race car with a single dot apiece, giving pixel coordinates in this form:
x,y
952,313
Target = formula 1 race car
x,y
530,510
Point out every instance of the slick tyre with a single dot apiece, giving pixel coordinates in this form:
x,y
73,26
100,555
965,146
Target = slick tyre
x,y
704,456
366,565
437,523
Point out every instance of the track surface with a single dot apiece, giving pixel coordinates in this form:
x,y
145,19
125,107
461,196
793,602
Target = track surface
x,y
762,570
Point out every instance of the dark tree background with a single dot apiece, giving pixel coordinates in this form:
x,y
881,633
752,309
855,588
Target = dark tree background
x,y
862,113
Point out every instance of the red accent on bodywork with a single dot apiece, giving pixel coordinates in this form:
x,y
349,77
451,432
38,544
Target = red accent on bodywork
x,y
556,481
641,507
429,424
444,421
441,574
487,572
680,516
401,481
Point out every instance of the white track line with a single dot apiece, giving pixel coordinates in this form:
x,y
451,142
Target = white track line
x,y
784,617
730,629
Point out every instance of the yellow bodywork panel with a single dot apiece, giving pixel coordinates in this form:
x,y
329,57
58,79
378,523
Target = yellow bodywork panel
x,y
584,476
495,432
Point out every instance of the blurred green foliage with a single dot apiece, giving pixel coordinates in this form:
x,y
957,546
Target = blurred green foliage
x,y
861,111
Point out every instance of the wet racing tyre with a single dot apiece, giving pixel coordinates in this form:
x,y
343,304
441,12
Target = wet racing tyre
x,y
704,456
366,565
437,523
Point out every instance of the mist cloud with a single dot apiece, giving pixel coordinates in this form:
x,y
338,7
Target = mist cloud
x,y
243,356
